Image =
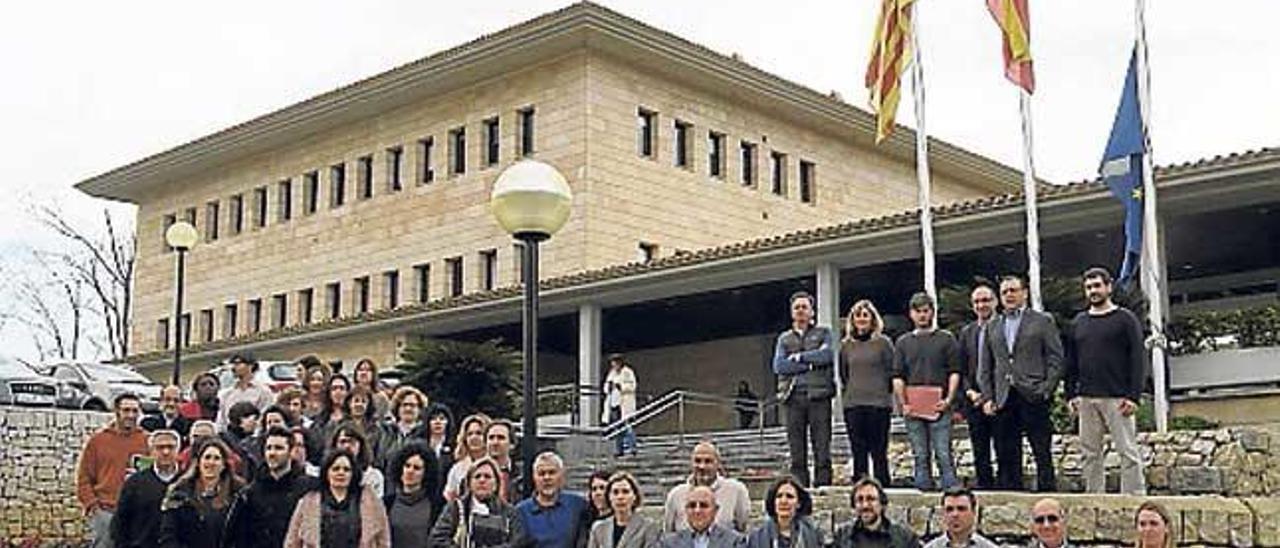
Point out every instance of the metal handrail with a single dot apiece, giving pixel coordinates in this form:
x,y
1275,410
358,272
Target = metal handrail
x,y
679,398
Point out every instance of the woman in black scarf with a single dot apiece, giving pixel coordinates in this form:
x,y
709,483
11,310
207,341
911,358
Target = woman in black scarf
x,y
341,513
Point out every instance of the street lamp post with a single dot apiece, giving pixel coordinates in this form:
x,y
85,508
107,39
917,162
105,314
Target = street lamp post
x,y
181,236
531,200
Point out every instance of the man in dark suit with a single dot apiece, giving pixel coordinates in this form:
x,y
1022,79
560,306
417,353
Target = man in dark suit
x,y
1018,374
972,338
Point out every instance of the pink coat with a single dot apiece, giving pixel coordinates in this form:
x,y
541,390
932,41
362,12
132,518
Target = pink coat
x,y
304,527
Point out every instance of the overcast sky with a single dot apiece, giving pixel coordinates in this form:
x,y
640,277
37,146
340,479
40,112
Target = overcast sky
x,y
90,86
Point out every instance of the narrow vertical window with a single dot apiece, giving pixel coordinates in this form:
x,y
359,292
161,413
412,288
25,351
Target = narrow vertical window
x,y
362,294
395,169
163,334
184,329
333,298
778,173
364,177
255,315
306,306
492,141
279,310
422,283
458,151
427,174
748,153
189,216
517,250
206,325
526,131
237,214
337,185
646,136
230,320
284,200
311,192
211,217
455,276
168,221
260,207
681,144
391,288
488,269
715,154
806,182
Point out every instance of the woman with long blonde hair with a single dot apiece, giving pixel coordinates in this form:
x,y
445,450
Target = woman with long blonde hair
x,y
469,448
866,362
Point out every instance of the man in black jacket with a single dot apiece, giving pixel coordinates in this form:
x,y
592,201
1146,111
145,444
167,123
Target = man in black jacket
x,y
870,527
981,427
269,501
802,359
137,519
168,418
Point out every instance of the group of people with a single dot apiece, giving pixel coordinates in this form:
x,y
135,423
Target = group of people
x,y
1000,374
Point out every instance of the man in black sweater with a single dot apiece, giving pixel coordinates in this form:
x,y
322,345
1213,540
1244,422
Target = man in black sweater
x,y
927,359
269,501
137,519
1104,379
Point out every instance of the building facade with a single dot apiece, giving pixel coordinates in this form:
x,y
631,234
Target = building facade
x,y
374,197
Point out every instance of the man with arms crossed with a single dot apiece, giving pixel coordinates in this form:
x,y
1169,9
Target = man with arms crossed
x,y
802,361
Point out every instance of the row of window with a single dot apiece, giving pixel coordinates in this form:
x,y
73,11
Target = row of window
x,y
300,307
682,156
258,212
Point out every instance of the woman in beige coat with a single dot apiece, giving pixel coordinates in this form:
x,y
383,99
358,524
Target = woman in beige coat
x,y
625,528
340,511
620,400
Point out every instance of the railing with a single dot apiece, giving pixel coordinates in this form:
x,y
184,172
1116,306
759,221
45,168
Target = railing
x,y
680,399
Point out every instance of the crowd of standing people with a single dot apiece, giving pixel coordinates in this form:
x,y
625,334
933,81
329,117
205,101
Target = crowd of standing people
x,y
1000,375
344,462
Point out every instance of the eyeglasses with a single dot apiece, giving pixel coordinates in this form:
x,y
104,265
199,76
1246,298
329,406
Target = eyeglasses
x,y
694,504
1047,519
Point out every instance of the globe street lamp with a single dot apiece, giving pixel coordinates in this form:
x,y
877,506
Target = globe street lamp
x,y
181,236
531,200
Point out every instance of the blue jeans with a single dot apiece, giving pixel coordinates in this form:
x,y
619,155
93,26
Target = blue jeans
x,y
627,440
931,439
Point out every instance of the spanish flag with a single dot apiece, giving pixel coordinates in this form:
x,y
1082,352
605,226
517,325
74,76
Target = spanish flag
x,y
890,55
1015,26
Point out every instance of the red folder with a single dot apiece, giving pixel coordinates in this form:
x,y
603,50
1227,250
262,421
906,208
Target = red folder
x,y
922,402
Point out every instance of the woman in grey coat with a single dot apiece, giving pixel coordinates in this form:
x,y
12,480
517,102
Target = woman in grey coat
x,y
788,505
625,528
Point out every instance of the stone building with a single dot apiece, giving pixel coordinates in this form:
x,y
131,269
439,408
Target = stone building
x,y
705,191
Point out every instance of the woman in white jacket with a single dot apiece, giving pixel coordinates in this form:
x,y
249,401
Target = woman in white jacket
x,y
620,400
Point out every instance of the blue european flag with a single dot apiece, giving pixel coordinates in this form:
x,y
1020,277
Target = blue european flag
x,y
1122,168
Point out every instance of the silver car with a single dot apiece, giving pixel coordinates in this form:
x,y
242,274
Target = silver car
x,y
21,385
104,382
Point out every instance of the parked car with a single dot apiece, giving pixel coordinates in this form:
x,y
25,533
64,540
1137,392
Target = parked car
x,y
274,374
21,385
104,382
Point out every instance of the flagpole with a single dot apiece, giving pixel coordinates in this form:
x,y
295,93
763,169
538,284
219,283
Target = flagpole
x,y
1029,193
1153,270
922,157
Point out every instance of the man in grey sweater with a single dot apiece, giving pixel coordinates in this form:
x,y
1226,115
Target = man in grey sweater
x,y
928,357
802,361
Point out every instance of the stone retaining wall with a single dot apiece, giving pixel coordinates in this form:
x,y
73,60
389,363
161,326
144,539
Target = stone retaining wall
x,y
1237,462
38,455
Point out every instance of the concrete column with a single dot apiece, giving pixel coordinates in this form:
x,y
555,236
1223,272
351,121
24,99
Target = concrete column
x,y
589,366
828,315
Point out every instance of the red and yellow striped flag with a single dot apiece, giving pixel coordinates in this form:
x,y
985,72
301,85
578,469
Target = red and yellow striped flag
x,y
1015,28
890,55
